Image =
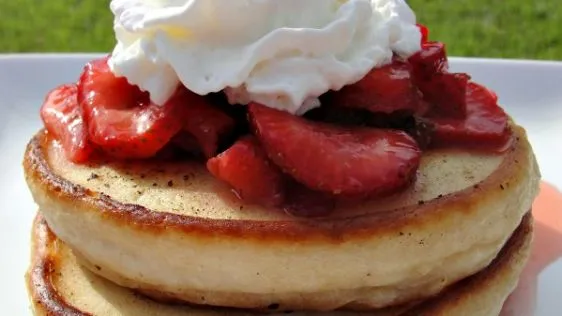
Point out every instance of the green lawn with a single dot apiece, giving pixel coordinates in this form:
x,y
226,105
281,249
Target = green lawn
x,y
488,28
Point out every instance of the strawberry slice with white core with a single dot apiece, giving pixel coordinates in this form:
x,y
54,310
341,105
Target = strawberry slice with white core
x,y
121,119
63,119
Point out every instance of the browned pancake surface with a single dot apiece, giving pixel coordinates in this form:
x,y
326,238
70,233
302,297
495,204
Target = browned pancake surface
x,y
192,201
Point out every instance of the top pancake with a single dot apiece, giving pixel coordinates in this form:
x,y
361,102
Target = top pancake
x,y
185,195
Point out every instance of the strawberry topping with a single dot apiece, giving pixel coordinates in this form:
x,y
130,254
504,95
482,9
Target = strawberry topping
x,y
424,33
445,91
383,90
304,202
120,117
209,125
347,161
246,168
63,119
485,125
431,59
187,143
363,142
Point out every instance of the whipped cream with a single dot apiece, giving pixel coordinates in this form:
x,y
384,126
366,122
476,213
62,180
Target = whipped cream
x,y
283,54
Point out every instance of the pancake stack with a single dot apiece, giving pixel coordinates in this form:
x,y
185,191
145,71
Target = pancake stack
x,y
166,238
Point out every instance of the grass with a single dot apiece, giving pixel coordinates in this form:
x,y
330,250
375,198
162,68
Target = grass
x,y
486,28
495,28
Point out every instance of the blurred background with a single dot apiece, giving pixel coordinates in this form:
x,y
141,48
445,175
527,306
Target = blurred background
x,y
529,29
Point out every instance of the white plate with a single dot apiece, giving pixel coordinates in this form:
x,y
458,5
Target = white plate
x,y
531,92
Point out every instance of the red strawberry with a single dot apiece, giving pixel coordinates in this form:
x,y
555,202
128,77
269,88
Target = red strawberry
x,y
424,32
209,125
347,161
431,59
120,117
383,90
446,92
443,90
63,119
486,124
303,202
247,169
187,143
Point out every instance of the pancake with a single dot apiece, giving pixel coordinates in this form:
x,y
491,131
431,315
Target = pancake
x,y
173,232
58,285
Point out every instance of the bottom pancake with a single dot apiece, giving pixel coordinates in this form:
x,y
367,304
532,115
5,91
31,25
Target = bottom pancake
x,y
59,285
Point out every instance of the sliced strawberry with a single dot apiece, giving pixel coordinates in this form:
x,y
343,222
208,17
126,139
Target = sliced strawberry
x,y
187,143
208,124
446,92
424,33
431,59
303,202
485,125
120,117
337,160
387,89
63,119
443,90
246,168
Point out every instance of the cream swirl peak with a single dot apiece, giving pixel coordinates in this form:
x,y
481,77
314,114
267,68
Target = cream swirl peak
x,y
283,54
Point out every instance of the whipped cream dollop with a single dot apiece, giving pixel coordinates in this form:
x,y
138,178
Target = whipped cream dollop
x,y
281,53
